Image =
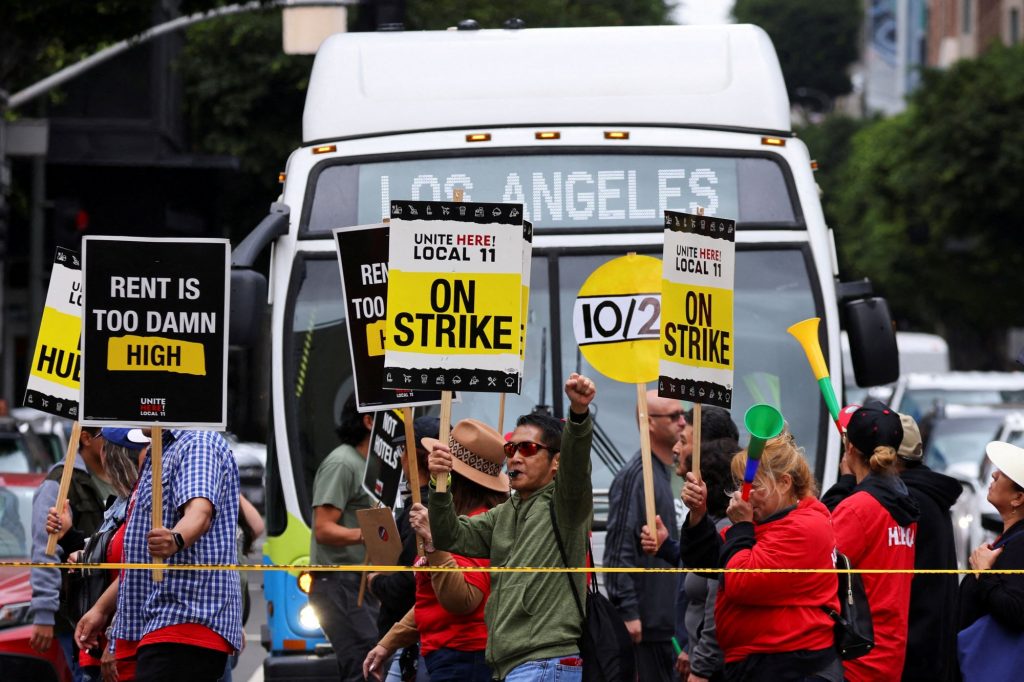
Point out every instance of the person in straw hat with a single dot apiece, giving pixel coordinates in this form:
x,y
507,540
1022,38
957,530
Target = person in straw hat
x,y
448,618
533,624
991,640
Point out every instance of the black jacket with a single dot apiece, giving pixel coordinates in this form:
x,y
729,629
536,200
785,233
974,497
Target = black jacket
x,y
1002,596
931,644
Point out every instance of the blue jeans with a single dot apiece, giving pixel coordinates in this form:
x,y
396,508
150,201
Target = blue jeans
x,y
546,670
449,665
67,645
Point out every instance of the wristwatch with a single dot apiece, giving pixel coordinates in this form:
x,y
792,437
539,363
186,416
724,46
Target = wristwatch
x,y
179,541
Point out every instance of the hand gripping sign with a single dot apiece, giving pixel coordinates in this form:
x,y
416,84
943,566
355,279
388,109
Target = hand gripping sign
x,y
616,319
697,354
56,364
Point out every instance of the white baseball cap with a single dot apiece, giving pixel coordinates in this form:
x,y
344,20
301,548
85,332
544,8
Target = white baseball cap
x,y
1008,458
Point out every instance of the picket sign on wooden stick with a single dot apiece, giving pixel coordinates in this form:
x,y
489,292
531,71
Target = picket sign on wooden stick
x,y
645,454
156,453
412,466
65,481
695,461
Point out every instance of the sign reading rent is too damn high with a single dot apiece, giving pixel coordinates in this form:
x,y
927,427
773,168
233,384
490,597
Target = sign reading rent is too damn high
x,y
698,266
154,340
455,289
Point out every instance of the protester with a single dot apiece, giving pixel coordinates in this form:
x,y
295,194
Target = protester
x,y
640,597
88,494
448,618
703,658
397,591
995,649
337,495
770,626
875,521
931,640
533,623
120,459
193,616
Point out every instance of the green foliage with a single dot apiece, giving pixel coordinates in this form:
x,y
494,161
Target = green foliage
x,y
817,40
928,204
440,14
829,145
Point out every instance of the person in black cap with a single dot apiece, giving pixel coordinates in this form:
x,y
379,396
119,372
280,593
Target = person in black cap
x,y
397,591
875,528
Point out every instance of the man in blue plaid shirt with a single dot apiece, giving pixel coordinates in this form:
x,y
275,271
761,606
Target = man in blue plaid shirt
x,y
188,623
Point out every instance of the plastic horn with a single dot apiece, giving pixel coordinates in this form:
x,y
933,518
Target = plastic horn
x,y
806,333
763,422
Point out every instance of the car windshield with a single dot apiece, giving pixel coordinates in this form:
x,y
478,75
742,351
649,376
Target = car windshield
x,y
15,520
773,290
960,441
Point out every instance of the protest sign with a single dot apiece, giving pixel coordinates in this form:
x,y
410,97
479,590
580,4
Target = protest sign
x,y
380,535
363,259
454,302
383,473
697,354
616,317
615,320
56,364
154,339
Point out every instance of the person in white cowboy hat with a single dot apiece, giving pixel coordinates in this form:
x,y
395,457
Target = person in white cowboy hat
x,y
448,619
533,623
991,602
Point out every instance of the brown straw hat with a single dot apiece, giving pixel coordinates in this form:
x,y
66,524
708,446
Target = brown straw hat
x,y
477,453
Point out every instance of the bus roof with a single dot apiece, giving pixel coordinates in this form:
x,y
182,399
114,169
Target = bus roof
x,y
725,76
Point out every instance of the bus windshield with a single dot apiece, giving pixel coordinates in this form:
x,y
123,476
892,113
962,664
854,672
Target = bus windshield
x,y
773,290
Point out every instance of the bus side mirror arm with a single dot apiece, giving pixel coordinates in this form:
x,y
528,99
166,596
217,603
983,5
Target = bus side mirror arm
x,y
274,225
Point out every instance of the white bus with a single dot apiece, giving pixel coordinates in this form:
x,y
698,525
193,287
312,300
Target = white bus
x,y
597,131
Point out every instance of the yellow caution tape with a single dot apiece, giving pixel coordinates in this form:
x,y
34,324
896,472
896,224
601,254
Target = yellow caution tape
x,y
367,568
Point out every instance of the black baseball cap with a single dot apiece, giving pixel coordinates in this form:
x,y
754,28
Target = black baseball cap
x,y
423,427
875,424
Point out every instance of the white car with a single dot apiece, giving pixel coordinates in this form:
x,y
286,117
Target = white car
x,y
920,394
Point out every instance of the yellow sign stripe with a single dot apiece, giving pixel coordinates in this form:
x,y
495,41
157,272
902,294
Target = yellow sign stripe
x,y
155,354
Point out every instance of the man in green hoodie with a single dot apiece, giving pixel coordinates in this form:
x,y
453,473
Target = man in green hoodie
x,y
533,624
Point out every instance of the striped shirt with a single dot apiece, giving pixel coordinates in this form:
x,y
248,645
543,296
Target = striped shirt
x,y
195,464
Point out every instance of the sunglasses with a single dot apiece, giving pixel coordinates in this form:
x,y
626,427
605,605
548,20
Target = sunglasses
x,y
674,416
527,448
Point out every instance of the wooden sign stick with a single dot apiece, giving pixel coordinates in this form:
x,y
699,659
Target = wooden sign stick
x,y
501,415
645,455
443,433
412,466
695,461
156,453
65,481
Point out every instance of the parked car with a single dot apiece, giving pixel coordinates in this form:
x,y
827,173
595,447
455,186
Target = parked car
x,y
251,459
18,661
22,451
921,394
918,353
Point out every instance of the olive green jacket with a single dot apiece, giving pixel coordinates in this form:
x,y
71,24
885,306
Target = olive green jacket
x,y
529,616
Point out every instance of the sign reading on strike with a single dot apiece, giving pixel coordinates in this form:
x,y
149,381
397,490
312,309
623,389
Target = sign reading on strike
x,y
697,354
154,332
56,364
383,473
454,304
363,258
616,318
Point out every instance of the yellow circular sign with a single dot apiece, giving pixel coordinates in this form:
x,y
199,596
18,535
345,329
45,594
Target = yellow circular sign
x,y
617,318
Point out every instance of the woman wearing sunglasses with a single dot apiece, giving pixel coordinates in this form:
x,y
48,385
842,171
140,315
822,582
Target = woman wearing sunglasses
x,y
448,618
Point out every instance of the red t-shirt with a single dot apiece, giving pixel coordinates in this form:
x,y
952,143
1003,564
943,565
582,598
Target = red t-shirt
x,y
192,634
440,628
871,538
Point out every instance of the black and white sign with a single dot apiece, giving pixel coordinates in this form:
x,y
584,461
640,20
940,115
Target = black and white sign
x,y
154,332
383,474
363,258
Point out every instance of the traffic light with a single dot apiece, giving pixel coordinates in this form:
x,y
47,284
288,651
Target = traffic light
x,y
69,222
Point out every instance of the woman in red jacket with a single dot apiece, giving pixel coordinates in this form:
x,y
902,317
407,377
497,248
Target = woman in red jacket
x,y
771,626
875,525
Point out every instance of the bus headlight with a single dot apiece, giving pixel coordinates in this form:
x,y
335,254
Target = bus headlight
x,y
308,619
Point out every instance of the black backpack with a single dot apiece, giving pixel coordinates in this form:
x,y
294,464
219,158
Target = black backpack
x,y
854,631
605,645
87,585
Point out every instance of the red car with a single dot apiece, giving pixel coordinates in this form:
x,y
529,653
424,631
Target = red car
x,y
18,661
